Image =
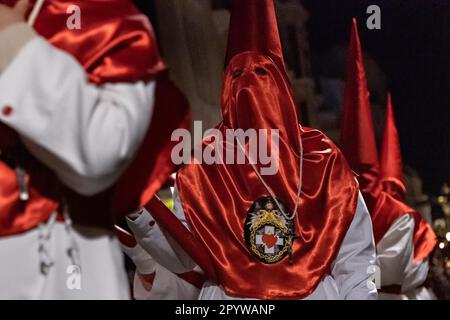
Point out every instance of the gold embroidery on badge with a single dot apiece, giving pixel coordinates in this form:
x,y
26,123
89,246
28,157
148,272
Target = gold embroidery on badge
x,y
268,232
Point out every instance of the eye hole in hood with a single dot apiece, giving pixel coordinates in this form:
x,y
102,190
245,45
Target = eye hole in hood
x,y
236,73
260,71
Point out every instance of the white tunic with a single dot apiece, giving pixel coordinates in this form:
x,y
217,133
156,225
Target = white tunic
x,y
87,135
395,257
100,262
352,271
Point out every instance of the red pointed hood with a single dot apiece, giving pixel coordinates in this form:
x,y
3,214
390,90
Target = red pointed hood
x,y
257,92
391,158
257,95
357,133
253,27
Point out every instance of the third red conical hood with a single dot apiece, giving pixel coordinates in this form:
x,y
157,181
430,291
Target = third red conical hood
x,y
391,159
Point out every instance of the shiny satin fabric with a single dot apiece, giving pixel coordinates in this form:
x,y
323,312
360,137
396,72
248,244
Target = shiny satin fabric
x,y
425,239
358,142
115,44
394,187
216,198
388,210
253,27
115,41
391,169
391,181
14,216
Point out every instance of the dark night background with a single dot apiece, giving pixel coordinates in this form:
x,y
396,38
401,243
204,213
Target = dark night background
x,y
413,49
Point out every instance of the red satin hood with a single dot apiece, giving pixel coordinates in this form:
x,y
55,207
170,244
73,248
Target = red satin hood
x,y
253,27
359,147
357,134
217,198
220,200
116,42
391,169
119,46
256,94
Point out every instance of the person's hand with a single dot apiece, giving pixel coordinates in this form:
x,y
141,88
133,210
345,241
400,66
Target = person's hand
x,y
10,16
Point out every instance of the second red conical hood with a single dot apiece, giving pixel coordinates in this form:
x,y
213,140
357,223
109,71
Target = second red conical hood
x,y
357,133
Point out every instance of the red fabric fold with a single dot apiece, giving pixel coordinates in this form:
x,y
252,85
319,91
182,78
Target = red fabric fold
x,y
116,42
388,210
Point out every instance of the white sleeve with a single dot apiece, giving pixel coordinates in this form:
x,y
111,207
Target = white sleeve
x,y
354,267
161,245
395,251
415,275
421,293
144,262
166,286
87,134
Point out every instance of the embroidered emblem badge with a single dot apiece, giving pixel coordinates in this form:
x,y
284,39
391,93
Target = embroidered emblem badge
x,y
267,232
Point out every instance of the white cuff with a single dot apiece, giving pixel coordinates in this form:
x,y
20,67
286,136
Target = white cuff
x,y
144,263
142,225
